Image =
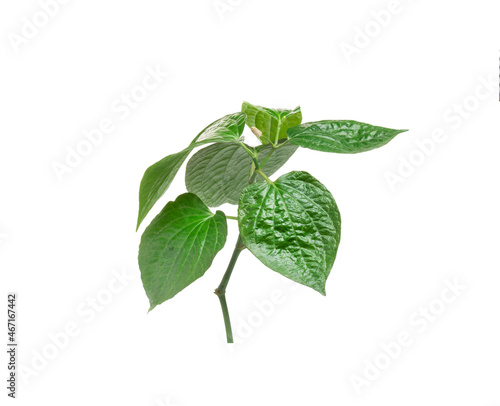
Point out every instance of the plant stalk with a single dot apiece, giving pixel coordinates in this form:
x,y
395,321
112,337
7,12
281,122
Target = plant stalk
x,y
221,290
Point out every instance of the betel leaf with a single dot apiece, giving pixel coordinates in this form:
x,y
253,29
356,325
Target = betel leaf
x,y
292,226
218,173
214,170
269,120
160,175
226,129
179,246
278,158
341,136
156,181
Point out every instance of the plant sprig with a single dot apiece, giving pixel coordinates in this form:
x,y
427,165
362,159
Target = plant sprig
x,y
292,224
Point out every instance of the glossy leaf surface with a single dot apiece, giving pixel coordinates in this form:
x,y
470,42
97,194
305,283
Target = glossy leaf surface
x,y
269,120
292,226
160,175
341,136
227,129
218,173
179,246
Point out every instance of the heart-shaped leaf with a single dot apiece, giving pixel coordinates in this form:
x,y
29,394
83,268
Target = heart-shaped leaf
x,y
179,246
341,136
218,173
292,226
273,123
160,175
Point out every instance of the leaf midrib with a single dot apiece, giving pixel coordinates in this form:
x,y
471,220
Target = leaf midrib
x,y
308,215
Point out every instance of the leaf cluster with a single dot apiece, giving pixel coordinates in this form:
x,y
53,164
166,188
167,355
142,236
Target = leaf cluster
x,y
291,224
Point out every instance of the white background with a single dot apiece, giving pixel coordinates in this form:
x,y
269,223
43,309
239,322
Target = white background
x,y
61,239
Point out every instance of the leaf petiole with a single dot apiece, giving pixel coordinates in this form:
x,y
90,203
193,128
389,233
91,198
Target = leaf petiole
x,y
266,139
283,143
259,171
268,156
278,132
248,150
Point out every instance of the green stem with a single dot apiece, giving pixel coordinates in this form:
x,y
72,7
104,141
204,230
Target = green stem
x,y
282,144
277,134
259,171
221,290
232,217
267,157
248,150
227,320
252,178
266,139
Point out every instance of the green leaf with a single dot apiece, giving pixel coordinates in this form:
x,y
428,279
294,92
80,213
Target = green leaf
x,y
179,246
156,181
213,171
160,175
342,136
269,120
227,129
278,158
292,226
218,173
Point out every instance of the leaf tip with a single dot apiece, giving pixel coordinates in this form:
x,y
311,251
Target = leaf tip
x,y
140,216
